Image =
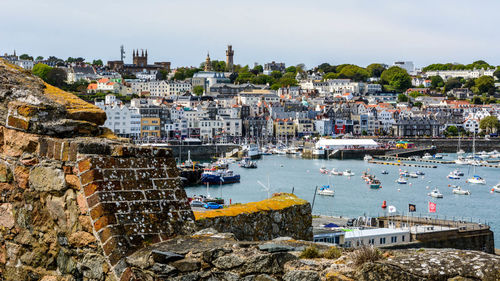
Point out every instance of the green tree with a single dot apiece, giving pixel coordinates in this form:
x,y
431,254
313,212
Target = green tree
x,y
291,69
56,77
258,68
330,75
164,74
244,77
26,57
477,100
276,74
485,84
97,62
418,104
402,98
452,130
375,69
453,83
489,124
39,58
353,72
497,73
198,90
41,70
397,78
437,81
262,79
326,68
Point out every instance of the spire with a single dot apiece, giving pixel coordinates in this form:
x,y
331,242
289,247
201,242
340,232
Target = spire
x,y
14,52
142,52
146,52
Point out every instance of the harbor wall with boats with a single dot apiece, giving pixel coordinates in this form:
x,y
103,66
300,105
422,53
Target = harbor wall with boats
x,y
451,145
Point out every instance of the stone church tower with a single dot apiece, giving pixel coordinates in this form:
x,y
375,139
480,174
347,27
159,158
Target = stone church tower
x,y
140,60
229,58
208,63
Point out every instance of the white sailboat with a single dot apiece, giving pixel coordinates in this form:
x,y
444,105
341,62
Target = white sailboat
x,y
476,179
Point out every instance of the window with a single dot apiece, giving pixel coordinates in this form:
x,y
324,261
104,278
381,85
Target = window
x,y
382,240
403,238
394,239
371,241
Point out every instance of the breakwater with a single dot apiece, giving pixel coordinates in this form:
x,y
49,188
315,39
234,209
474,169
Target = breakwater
x,y
451,145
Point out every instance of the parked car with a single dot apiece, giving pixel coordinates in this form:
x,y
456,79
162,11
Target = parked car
x,y
197,203
212,205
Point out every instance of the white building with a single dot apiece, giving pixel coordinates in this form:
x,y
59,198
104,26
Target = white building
x,y
231,126
406,65
466,74
26,64
332,144
122,120
471,125
376,237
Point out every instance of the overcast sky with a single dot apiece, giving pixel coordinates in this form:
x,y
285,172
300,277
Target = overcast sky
x,y
307,31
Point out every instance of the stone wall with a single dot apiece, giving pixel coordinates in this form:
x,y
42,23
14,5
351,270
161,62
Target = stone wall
x,y
77,207
218,256
282,215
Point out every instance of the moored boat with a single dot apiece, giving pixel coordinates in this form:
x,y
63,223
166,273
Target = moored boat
x,y
476,180
326,191
401,180
435,193
348,173
336,172
214,176
323,170
459,191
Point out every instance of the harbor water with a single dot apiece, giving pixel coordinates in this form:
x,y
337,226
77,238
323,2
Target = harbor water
x,y
353,198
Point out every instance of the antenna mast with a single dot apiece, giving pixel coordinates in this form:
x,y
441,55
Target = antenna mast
x,y
122,52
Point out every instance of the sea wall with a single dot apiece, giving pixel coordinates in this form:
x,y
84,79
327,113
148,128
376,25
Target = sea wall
x,y
451,145
79,206
200,152
282,215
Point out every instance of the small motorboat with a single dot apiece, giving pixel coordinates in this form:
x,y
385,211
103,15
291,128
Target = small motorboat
x,y
404,174
420,173
435,193
384,172
438,156
326,191
401,180
348,173
458,173
453,176
247,163
427,156
458,190
323,170
476,180
375,184
336,172
413,175
367,158
496,188
461,161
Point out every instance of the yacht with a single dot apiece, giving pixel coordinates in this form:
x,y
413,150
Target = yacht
x,y
453,176
461,161
458,190
435,193
385,172
336,172
476,180
252,151
438,156
427,156
367,158
458,173
348,173
496,188
326,191
413,175
323,170
401,180
404,174
420,173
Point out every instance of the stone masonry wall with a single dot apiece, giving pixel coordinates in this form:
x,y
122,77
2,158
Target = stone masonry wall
x,y
281,216
75,208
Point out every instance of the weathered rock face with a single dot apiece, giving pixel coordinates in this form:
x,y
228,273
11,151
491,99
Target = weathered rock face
x,y
210,257
75,208
280,216
30,105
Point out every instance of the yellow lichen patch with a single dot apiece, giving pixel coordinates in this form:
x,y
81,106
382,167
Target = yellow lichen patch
x,y
282,201
77,108
108,134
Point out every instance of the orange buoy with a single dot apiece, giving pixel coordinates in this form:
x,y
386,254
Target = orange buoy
x,y
384,205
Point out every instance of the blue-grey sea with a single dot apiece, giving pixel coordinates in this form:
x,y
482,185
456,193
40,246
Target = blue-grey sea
x,y
353,198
